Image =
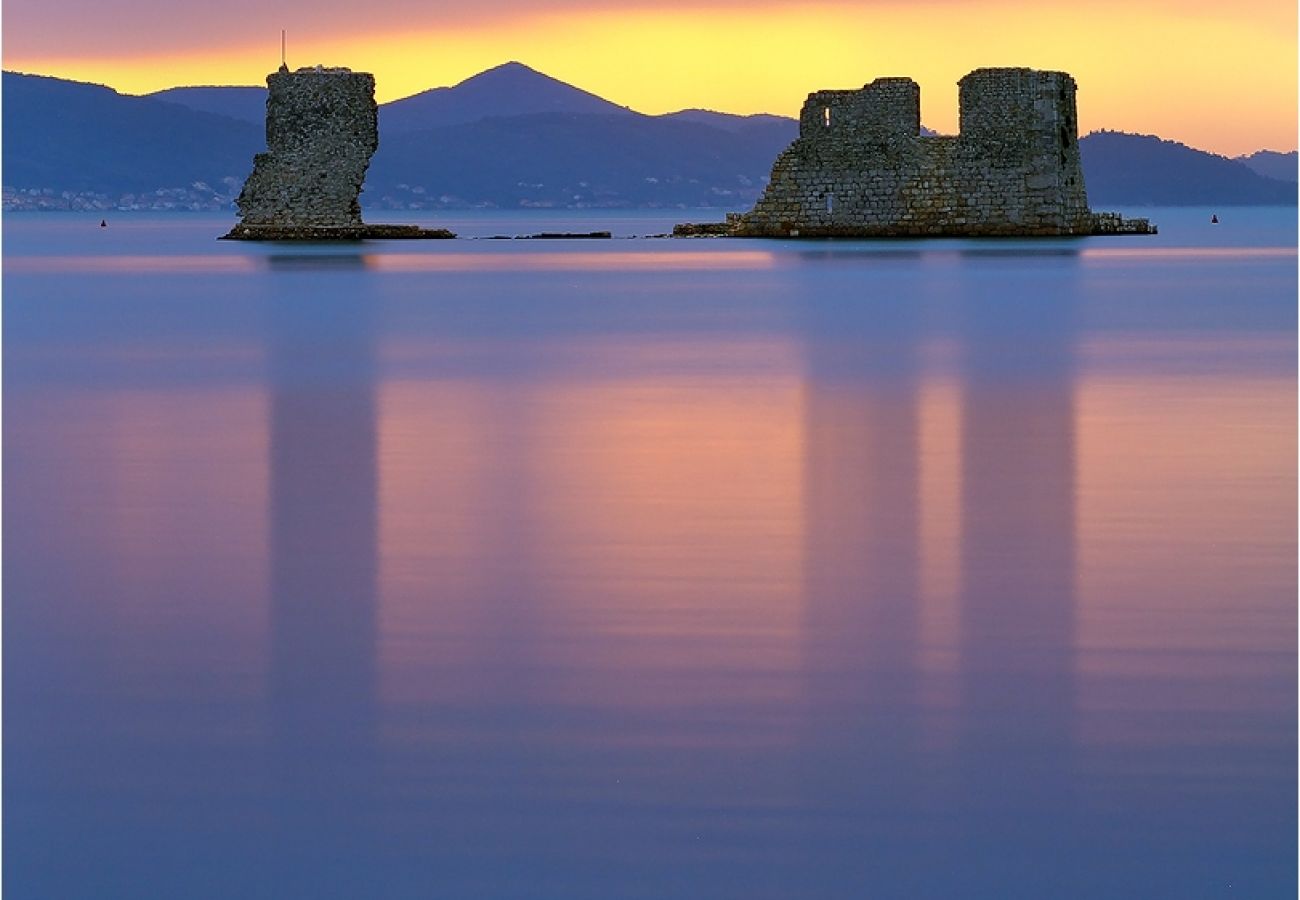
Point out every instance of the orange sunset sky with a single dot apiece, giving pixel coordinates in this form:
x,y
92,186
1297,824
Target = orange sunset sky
x,y
1215,75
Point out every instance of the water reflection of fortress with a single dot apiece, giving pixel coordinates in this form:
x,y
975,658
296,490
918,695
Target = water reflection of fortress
x,y
990,671
324,603
862,634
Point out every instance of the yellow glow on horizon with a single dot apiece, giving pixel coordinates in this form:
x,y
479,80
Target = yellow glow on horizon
x,y
1208,79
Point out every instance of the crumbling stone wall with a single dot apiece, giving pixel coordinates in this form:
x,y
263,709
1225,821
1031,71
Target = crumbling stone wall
x,y
861,167
321,130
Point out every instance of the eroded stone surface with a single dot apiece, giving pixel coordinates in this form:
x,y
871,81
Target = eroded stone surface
x,y
861,167
321,130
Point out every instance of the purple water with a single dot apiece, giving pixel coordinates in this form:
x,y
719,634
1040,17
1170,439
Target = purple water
x,y
649,568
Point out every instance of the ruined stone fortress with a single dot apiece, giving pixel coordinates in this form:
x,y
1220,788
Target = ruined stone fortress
x,y
861,167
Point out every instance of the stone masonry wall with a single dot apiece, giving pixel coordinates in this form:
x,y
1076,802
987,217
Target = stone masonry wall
x,y
321,130
860,166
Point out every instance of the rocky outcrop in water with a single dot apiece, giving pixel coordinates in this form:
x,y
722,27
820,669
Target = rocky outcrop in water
x,y
322,127
862,168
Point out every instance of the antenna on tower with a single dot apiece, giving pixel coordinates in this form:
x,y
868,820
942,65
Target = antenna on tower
x,y
283,64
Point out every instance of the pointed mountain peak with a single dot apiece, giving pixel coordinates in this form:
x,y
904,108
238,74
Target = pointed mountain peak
x,y
513,65
510,74
510,89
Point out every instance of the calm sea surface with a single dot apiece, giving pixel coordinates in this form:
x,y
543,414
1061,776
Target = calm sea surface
x,y
649,568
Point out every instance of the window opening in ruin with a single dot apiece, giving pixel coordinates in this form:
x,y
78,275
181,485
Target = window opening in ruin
x,y
826,116
1065,138
830,203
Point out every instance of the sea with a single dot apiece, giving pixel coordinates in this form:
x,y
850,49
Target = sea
x,y
649,567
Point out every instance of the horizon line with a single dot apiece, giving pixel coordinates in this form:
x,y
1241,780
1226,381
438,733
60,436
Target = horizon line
x,y
539,72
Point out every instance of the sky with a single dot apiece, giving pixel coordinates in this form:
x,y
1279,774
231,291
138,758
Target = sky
x,y
1215,75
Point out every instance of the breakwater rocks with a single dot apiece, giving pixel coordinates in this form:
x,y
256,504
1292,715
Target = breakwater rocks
x,y
322,127
861,167
1114,223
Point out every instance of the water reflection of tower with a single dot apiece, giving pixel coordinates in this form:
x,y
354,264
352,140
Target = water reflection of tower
x,y
1018,559
323,572
861,485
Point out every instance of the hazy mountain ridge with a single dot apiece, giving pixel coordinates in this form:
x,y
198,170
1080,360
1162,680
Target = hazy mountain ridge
x,y
247,104
733,122
1142,169
1272,164
69,136
508,137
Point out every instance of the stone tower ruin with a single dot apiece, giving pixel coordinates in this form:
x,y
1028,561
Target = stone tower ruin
x,y
322,127
861,167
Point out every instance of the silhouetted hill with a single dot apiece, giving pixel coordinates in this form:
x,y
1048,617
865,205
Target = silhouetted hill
x,y
69,136
735,123
1271,164
571,160
512,89
1139,169
247,104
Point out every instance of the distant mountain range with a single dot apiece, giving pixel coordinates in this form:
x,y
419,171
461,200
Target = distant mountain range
x,y
508,90
509,137
68,136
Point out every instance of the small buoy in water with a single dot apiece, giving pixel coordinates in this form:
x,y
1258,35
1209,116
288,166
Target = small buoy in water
x,y
103,223
1214,220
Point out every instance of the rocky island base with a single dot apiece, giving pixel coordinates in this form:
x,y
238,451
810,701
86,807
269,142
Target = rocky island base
x,y
1101,223
243,232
